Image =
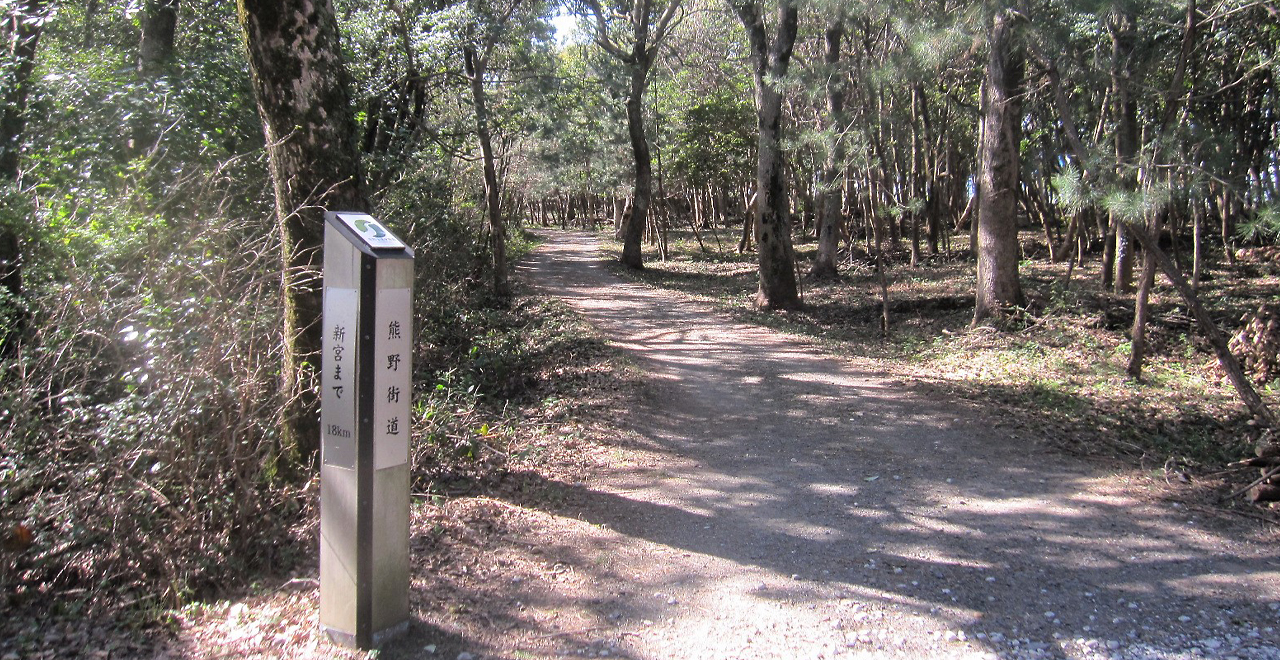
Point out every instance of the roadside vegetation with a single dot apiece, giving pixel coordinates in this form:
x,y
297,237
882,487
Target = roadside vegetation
x,y
512,397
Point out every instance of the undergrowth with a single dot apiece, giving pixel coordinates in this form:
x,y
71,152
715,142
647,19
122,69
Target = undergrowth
x,y
140,459
532,375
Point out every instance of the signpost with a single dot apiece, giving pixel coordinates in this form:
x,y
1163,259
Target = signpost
x,y
364,419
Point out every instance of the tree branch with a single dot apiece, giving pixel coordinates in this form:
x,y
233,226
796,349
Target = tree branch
x,y
602,33
1208,327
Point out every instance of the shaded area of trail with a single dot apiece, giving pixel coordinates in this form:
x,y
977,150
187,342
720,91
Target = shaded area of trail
x,y
780,503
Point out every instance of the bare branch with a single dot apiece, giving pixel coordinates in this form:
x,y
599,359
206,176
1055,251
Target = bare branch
x,y
672,17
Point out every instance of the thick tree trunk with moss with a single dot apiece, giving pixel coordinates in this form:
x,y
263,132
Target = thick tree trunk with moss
x,y
773,213
300,82
824,266
20,32
997,283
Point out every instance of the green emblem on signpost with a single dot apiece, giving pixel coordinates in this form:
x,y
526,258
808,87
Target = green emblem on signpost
x,y
366,225
370,231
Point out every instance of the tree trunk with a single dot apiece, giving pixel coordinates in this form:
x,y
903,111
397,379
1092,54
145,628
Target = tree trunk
x,y
932,200
23,25
915,179
1209,328
305,108
773,222
638,60
1172,99
1197,258
475,68
1141,310
824,266
642,194
159,20
90,13
1109,252
997,282
1126,109
159,32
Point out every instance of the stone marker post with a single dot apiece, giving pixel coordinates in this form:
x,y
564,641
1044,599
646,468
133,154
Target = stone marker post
x,y
365,392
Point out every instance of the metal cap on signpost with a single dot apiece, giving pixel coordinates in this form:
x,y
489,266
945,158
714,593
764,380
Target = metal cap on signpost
x,y
364,419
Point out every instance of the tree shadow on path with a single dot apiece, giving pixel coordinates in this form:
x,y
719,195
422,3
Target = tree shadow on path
x,y
770,472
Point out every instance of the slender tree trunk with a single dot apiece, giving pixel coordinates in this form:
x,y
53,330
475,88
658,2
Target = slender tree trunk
x,y
1066,248
971,208
805,200
1141,311
1197,254
882,274
933,201
638,60
1228,210
475,66
773,215
1109,252
1172,98
824,266
642,194
997,282
1126,109
1209,328
914,178
21,30
305,108
618,205
1123,280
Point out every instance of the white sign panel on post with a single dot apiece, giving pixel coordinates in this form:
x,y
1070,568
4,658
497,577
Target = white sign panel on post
x,y
391,380
338,389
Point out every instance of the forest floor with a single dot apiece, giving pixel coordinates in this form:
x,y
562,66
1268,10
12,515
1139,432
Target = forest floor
x,y
725,490
1059,363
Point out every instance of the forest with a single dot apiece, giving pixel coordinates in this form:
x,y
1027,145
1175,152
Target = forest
x,y
164,165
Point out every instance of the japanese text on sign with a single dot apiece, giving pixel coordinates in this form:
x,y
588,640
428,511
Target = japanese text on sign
x,y
392,378
337,382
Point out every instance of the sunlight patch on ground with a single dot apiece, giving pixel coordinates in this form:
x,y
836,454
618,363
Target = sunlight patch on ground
x,y
833,490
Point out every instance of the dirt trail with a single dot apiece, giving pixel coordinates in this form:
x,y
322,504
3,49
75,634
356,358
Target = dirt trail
x,y
783,504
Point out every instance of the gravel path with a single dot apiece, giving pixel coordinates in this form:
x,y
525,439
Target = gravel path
x,y
783,504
